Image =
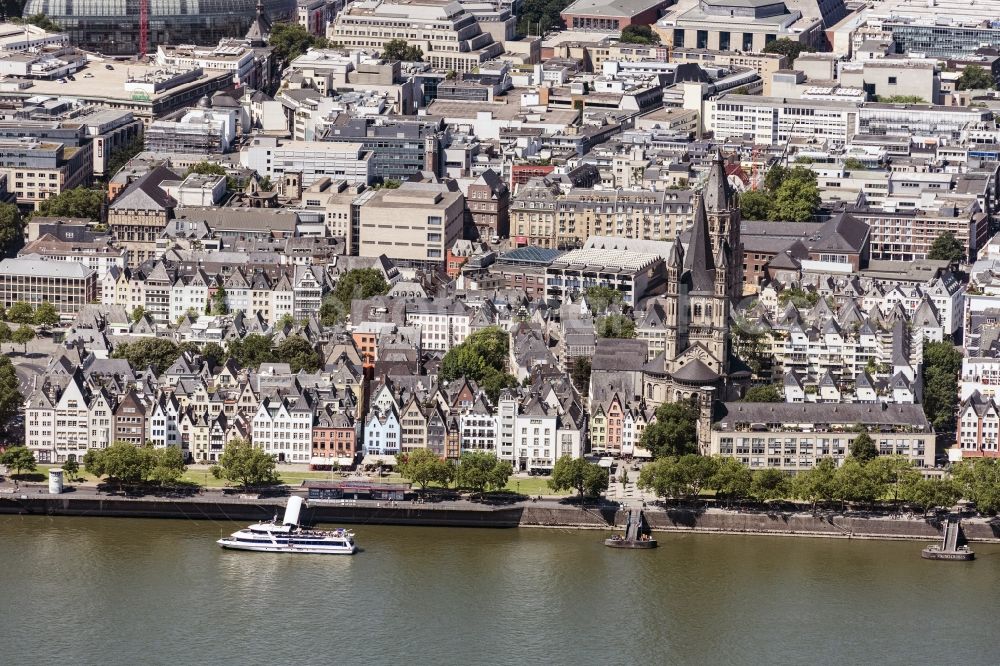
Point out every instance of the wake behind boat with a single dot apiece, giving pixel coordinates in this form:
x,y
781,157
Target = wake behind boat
x,y
290,537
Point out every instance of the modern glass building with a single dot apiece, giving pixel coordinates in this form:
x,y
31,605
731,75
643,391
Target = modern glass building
x,y
942,39
111,27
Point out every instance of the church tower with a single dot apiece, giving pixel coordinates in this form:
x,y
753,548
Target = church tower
x,y
723,212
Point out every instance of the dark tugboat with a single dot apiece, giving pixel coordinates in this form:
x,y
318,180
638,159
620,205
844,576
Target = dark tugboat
x,y
637,533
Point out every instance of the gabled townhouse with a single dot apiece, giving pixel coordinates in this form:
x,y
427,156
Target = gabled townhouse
x,y
978,427
72,432
282,299
479,426
443,323
413,423
335,438
130,420
382,433
282,427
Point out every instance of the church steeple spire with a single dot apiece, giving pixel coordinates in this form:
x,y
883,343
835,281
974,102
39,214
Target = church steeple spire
x,y
718,194
698,260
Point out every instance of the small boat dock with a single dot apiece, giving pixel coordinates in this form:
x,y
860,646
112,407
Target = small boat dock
x,y
949,549
637,533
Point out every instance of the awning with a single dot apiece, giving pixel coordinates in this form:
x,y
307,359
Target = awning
x,y
372,460
642,453
323,461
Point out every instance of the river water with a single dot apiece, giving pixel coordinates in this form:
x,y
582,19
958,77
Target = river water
x,y
131,591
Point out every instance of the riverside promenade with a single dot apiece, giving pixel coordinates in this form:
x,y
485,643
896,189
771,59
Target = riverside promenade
x,y
497,512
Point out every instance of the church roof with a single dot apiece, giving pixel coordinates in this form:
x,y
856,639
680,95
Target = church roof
x,y
696,372
698,261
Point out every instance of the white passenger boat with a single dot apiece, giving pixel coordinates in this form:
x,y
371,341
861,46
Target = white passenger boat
x,y
290,537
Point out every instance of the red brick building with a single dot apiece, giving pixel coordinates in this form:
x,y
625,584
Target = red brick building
x,y
612,14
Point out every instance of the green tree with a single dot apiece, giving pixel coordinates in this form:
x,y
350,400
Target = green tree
x,y
786,47
863,448
616,326
979,482
796,200
947,248
479,471
219,304
586,478
639,34
600,298
159,353
581,374
896,473
138,313
755,205
493,382
213,352
71,468
19,459
766,393
392,183
538,16
20,313
423,466
399,49
45,315
752,345
5,333
251,351
486,348
76,202
975,77
22,336
662,477
290,40
942,363
817,484
299,354
732,479
11,230
854,164
927,494
246,465
854,483
770,484
122,463
11,400
357,284
685,476
674,432
165,466
121,157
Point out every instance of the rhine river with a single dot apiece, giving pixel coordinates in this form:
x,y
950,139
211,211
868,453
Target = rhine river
x,y
130,591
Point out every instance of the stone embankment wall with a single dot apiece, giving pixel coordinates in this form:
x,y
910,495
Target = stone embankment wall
x,y
819,525
470,514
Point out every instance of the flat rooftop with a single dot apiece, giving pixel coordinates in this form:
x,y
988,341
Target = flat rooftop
x,y
612,8
606,260
106,83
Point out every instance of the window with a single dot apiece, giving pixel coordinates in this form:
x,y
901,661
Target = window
x,y
892,80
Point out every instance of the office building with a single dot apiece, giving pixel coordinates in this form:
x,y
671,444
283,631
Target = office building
x,y
67,285
413,225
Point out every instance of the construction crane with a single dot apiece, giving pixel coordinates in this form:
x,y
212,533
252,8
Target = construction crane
x,y
143,28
